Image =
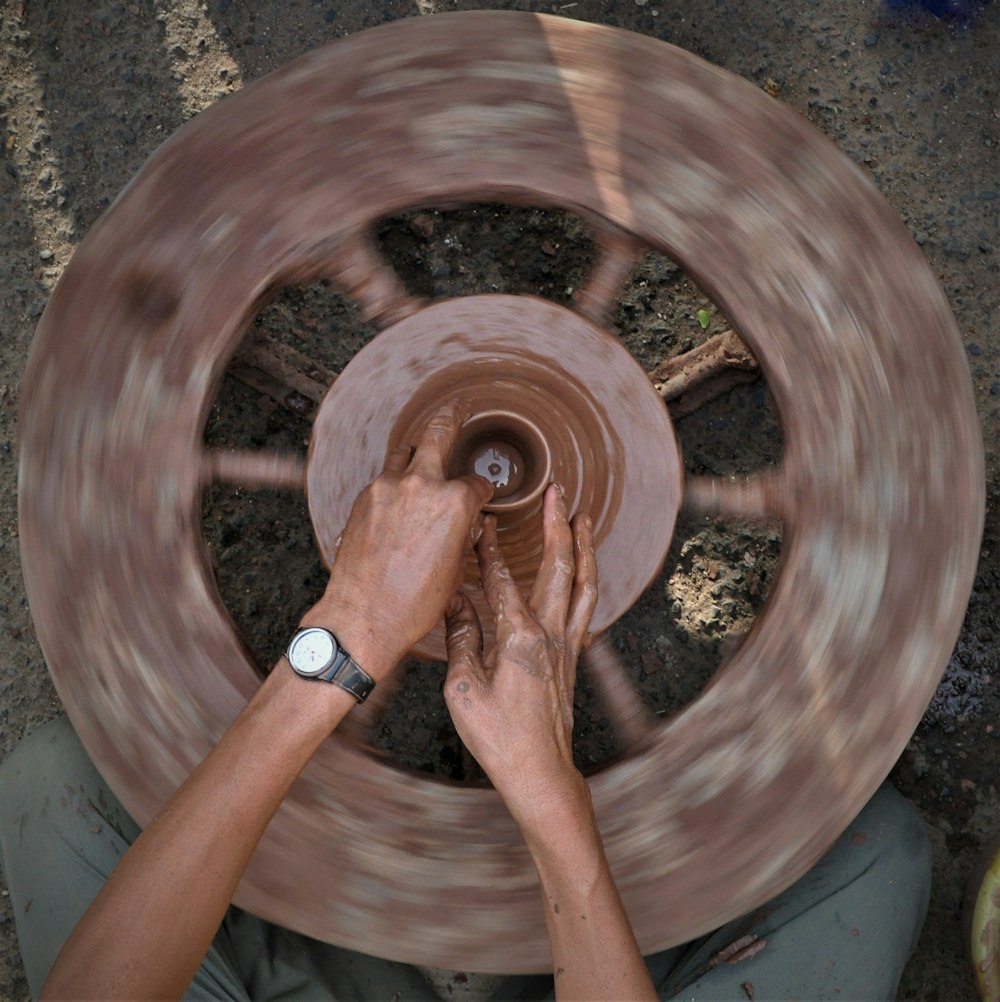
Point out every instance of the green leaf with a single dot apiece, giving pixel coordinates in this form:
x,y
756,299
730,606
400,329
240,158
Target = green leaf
x,y
704,318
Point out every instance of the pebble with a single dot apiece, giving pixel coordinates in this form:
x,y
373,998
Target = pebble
x,y
422,225
651,663
46,254
959,249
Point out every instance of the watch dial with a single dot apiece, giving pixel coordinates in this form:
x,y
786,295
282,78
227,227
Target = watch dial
x,y
312,652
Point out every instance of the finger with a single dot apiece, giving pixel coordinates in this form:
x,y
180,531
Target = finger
x,y
398,460
437,441
585,591
475,530
464,640
502,594
481,487
550,597
482,491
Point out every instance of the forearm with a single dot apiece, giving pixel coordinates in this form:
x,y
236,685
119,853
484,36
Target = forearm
x,y
149,928
398,559
594,952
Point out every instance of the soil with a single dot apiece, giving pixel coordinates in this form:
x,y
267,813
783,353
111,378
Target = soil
x,y
87,92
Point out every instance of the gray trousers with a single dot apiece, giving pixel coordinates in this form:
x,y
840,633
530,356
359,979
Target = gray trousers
x,y
844,931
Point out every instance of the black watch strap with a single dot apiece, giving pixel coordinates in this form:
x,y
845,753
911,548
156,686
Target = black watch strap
x,y
349,675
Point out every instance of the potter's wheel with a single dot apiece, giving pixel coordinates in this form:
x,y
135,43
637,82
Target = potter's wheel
x,y
879,489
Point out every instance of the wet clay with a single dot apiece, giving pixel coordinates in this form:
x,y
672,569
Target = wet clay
x,y
510,452
530,371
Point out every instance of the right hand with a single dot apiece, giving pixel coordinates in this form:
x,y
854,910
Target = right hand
x,y
401,554
513,707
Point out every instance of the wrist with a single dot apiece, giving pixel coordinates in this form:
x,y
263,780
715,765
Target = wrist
x,y
354,632
303,705
566,847
548,806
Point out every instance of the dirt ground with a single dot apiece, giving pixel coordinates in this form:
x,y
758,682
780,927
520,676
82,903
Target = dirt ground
x,y
88,91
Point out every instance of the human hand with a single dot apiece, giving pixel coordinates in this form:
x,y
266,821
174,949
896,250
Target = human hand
x,y
513,708
400,556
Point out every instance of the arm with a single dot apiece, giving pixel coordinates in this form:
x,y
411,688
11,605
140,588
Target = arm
x,y
397,566
514,711
186,864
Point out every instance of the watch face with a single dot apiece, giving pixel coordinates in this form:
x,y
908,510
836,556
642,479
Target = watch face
x,y
311,651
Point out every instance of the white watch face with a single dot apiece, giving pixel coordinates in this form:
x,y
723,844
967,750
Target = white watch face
x,y
311,651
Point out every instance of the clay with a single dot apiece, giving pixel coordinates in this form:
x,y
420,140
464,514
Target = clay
x,y
603,433
880,486
509,451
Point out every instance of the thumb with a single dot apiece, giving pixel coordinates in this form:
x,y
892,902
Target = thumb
x,y
464,640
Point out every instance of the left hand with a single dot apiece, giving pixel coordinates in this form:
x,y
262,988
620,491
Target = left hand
x,y
513,705
401,554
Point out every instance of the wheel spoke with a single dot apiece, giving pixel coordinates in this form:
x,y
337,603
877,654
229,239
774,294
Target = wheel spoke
x,y
631,720
619,253
764,495
360,270
254,469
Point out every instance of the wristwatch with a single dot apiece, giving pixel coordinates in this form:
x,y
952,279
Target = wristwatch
x,y
316,653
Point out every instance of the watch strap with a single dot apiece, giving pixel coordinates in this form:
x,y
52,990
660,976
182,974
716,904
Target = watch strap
x,y
345,672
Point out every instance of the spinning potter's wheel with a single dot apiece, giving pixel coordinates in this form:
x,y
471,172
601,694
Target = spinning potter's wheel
x,y
879,489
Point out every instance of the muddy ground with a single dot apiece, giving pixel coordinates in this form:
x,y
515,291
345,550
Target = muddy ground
x,y
88,90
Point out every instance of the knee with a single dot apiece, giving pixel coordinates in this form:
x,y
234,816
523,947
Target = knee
x,y
45,757
49,787
892,821
899,842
